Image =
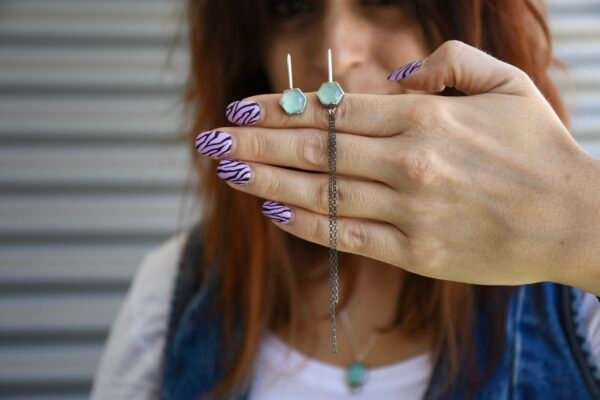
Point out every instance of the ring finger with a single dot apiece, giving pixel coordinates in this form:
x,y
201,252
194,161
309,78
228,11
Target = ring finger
x,y
355,198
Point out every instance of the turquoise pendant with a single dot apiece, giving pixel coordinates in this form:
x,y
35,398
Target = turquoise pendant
x,y
356,376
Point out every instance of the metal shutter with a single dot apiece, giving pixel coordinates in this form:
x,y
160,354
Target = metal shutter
x,y
575,26
92,176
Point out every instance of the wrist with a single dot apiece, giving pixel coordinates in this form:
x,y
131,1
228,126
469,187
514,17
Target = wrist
x,y
579,251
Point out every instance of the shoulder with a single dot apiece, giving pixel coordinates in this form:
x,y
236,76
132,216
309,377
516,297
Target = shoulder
x,y
155,275
131,363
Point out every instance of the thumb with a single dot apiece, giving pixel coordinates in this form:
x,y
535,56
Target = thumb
x,y
463,67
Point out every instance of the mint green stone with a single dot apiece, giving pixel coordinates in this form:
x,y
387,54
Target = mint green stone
x,y
293,101
355,375
330,94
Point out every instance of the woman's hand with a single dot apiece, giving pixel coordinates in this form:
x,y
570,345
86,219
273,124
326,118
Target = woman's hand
x,y
487,188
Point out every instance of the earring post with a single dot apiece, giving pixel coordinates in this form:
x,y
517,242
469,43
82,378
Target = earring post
x,y
289,66
329,66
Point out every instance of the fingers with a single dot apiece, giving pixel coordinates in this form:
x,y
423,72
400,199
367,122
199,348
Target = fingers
x,y
302,148
372,239
355,198
362,114
395,161
464,67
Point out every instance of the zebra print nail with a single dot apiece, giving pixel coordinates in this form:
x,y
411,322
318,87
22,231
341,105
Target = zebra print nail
x,y
277,211
214,143
405,71
243,112
234,171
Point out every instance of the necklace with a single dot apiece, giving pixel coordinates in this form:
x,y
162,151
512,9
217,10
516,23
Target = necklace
x,y
356,373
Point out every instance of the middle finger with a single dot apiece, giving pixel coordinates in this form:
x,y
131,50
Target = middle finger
x,y
301,148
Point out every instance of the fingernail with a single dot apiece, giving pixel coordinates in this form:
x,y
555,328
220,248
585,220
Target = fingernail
x,y
277,212
405,71
243,112
214,143
234,171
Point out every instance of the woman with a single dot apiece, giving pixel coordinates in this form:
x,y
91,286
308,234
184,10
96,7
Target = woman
x,y
450,177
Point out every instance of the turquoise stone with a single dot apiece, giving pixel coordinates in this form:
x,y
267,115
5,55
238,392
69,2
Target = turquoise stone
x,y
293,101
330,94
356,375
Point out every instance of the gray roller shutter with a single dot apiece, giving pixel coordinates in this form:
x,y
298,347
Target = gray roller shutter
x,y
91,176
576,28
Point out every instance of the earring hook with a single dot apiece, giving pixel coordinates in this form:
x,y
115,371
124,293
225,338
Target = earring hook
x,y
292,100
330,93
329,66
289,67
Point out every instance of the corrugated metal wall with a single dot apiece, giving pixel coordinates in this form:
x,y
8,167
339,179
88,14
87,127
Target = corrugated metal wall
x,y
91,176
576,28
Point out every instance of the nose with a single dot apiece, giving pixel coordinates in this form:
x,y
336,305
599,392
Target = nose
x,y
345,33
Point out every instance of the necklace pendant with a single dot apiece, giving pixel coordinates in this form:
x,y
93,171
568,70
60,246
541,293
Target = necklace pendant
x,y
356,375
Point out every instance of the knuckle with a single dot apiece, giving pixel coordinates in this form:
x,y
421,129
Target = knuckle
x,y
420,167
428,113
442,118
451,48
313,151
353,237
271,186
428,256
415,111
256,145
321,230
323,196
521,77
412,207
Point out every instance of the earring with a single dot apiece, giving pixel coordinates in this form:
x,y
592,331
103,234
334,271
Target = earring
x,y
292,100
330,95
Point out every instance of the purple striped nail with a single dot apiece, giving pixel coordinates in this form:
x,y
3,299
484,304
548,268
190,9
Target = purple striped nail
x,y
405,71
243,112
277,211
234,171
214,143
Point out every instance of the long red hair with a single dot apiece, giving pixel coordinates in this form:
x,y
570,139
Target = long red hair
x,y
263,267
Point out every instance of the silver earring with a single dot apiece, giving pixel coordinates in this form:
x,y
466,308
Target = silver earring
x,y
330,95
293,100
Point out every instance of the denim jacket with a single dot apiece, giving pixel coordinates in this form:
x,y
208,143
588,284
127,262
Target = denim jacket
x,y
546,353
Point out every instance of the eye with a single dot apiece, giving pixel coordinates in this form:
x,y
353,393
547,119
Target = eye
x,y
287,9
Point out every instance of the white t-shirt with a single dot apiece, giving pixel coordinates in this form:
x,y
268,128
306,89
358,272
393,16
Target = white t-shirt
x,y
285,373
131,364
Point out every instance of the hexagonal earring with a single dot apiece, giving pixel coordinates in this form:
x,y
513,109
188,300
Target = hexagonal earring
x,y
293,100
330,93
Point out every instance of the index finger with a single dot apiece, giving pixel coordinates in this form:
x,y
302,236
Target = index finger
x,y
363,114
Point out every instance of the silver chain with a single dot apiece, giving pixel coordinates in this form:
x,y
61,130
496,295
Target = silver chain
x,y
333,253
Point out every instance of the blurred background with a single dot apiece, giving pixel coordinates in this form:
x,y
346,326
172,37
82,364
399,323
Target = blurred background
x,y
93,172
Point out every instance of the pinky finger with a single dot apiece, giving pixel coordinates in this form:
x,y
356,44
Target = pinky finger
x,y
377,240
